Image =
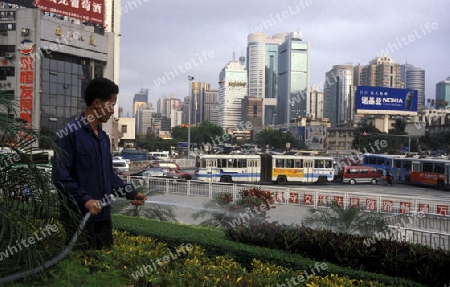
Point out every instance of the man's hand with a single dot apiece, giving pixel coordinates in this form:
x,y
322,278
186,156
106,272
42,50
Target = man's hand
x,y
139,199
94,206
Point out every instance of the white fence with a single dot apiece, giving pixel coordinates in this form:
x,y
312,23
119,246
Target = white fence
x,y
431,228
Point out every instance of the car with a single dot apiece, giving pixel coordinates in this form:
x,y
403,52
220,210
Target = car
x,y
164,164
177,173
155,172
121,164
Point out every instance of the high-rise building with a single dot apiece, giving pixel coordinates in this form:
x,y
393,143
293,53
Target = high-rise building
x,y
339,95
232,89
293,79
166,104
144,115
198,102
210,105
382,72
443,93
48,59
140,99
316,103
414,79
262,67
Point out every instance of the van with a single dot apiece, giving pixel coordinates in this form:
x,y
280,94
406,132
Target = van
x,y
121,164
159,155
361,174
164,164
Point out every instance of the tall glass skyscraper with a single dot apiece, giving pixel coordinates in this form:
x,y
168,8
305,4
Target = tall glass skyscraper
x,y
293,79
338,94
443,93
414,79
262,67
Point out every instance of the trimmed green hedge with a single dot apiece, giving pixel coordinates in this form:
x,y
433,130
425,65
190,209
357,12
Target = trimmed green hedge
x,y
214,242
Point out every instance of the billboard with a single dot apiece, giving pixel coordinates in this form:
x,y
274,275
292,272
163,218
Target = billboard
x,y
313,136
381,100
93,11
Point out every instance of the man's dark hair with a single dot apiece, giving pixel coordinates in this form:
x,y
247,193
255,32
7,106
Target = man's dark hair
x,y
100,88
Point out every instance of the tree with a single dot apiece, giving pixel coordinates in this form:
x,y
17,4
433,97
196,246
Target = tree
x,y
353,220
276,139
364,136
28,201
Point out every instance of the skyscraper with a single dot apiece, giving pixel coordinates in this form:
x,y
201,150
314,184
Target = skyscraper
x,y
262,67
382,72
198,102
414,79
316,103
293,79
339,94
140,99
232,89
443,93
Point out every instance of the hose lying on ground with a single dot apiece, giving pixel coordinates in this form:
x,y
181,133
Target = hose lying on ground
x,y
62,254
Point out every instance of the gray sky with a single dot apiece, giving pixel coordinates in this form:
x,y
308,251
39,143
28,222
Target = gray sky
x,y
200,35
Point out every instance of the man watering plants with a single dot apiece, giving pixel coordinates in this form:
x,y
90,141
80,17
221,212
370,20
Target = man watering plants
x,y
82,167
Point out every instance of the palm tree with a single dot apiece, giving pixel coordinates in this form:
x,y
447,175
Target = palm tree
x,y
353,220
29,203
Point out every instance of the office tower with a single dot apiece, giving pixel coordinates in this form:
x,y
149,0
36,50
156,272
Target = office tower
x,y
339,94
140,99
232,89
382,72
443,94
48,84
166,104
262,67
316,103
414,79
144,115
293,79
198,90
210,106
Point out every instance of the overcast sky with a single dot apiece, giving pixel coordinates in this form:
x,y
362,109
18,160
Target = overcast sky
x,y
201,35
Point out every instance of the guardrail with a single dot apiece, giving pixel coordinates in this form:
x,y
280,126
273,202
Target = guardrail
x,y
398,209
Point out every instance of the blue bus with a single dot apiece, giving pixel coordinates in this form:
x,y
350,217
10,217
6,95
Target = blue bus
x,y
398,165
135,154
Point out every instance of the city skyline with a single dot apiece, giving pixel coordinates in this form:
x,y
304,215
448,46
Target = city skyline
x,y
176,40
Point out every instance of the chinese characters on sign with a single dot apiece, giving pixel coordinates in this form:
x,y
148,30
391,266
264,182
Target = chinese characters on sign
x,y
87,10
26,88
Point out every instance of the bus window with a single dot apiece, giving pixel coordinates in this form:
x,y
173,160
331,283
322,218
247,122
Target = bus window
x,y
328,164
299,163
289,163
407,165
279,163
244,162
439,168
427,167
397,163
319,163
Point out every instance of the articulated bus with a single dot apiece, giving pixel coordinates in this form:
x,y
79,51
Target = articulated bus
x,y
265,168
412,170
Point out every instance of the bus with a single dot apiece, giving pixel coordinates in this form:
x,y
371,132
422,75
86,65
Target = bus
x,y
264,168
430,172
412,170
134,154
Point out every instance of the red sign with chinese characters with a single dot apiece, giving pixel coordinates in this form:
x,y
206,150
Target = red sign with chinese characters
x,y
307,199
354,202
371,204
88,10
405,207
26,77
293,197
387,205
442,209
339,200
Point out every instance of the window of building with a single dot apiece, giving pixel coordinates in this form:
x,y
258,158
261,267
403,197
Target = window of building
x,y
124,128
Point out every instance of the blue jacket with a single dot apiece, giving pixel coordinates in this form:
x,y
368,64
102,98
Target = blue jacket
x,y
82,167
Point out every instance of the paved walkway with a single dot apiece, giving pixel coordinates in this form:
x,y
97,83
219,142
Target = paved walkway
x,y
185,206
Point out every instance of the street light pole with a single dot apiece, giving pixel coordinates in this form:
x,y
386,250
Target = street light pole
x,y
189,116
